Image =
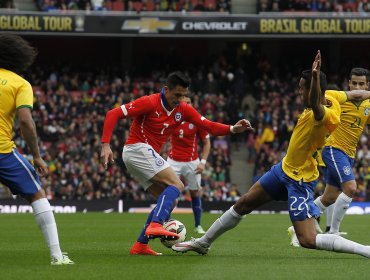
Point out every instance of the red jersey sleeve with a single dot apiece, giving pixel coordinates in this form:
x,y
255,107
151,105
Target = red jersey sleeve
x,y
215,128
135,108
202,134
140,106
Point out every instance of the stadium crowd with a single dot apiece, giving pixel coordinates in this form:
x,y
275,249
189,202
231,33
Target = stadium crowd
x,y
136,5
70,107
314,6
69,112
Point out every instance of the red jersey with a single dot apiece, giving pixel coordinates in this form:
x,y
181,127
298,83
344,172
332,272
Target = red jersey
x,y
184,142
153,123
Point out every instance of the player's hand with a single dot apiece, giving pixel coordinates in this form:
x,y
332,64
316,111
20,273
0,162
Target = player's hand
x,y
241,126
106,155
316,65
41,167
200,168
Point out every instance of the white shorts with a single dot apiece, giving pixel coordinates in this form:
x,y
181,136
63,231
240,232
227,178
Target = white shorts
x,y
143,162
187,170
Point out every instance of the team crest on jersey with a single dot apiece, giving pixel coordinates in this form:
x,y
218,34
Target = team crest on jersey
x,y
347,170
178,116
191,126
159,161
366,111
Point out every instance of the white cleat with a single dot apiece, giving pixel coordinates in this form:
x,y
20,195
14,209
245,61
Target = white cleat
x,y
340,233
293,237
65,260
192,245
199,230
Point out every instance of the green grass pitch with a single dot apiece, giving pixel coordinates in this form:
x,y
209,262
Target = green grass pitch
x,y
99,244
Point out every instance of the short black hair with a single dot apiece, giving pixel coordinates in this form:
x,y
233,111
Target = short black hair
x,y
177,79
16,54
307,76
358,71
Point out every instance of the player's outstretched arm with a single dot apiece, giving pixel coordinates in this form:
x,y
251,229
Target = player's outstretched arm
x,y
315,95
358,95
110,122
241,126
215,128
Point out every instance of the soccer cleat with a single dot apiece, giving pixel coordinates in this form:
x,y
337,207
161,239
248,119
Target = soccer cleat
x,y
192,245
340,233
155,230
143,249
293,237
65,260
199,230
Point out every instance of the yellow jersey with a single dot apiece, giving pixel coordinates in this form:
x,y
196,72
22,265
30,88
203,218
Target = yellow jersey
x,y
308,136
354,116
15,93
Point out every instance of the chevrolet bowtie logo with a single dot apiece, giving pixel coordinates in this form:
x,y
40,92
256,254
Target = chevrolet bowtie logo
x,y
148,25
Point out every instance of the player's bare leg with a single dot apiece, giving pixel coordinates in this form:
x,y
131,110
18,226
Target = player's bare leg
x,y
46,222
253,199
308,238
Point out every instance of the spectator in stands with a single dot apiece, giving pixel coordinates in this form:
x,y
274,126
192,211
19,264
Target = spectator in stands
x,y
199,7
223,6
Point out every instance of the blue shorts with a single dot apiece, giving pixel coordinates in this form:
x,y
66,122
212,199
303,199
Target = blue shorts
x,y
298,194
338,166
18,174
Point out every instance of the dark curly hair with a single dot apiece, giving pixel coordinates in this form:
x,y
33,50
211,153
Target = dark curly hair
x,y
16,54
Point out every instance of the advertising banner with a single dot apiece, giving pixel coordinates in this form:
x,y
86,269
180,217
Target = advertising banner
x,y
144,25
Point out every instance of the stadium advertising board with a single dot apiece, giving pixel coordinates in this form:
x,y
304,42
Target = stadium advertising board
x,y
10,206
134,25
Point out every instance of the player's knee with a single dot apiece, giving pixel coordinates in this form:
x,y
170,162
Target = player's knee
x,y
176,183
38,195
242,206
350,189
180,186
194,193
328,200
307,241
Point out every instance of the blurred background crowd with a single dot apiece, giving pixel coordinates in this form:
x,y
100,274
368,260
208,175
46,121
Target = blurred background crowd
x,y
313,6
70,108
137,6
198,5
71,103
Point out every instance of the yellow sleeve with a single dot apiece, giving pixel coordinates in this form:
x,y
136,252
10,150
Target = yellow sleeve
x,y
340,96
24,97
332,114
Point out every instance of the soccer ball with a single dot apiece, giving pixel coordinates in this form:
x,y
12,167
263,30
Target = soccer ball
x,y
177,227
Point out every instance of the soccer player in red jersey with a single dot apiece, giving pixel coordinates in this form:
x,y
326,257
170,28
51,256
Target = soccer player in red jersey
x,y
155,118
184,159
